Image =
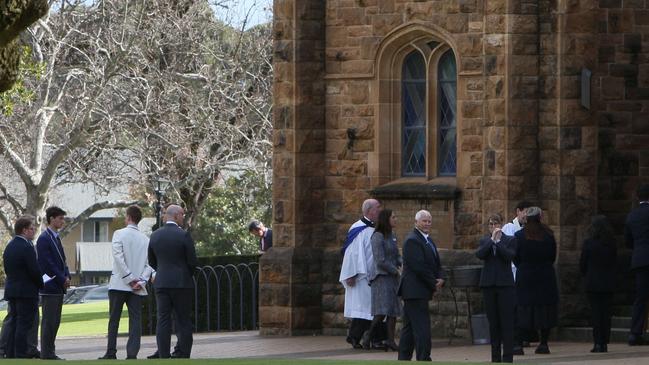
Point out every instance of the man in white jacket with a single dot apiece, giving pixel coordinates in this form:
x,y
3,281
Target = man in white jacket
x,y
127,283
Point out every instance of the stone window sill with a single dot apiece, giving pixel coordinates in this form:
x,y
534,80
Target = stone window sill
x,y
443,188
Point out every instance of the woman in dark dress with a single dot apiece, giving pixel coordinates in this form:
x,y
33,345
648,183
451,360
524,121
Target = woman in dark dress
x,y
385,280
537,294
497,283
597,264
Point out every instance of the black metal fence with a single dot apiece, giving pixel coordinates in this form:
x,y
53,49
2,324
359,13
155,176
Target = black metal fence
x,y
225,298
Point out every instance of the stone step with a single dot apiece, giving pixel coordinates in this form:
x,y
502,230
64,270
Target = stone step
x,y
621,322
585,334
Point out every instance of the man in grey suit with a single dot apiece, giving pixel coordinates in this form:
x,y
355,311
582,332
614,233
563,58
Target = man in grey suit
x,y
127,283
173,255
422,276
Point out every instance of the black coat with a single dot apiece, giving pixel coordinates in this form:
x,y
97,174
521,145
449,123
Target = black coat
x,y
536,282
597,264
497,269
421,268
24,277
173,255
636,233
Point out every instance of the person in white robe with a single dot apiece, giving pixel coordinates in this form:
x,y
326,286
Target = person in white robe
x,y
356,270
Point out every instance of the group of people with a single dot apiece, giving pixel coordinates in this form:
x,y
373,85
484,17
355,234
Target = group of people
x,y
376,276
167,259
518,280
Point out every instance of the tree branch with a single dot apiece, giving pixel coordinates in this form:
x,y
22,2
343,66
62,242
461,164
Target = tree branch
x,y
96,207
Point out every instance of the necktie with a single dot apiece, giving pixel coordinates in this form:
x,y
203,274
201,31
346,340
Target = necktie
x,y
432,245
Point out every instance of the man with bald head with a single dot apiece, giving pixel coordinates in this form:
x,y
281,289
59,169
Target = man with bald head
x,y
173,256
355,272
422,276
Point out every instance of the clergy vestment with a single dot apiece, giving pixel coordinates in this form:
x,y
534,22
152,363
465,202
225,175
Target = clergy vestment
x,y
358,261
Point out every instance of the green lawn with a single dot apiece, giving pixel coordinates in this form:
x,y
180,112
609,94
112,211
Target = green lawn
x,y
235,362
87,319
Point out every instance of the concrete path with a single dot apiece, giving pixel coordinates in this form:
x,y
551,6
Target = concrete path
x,y
251,345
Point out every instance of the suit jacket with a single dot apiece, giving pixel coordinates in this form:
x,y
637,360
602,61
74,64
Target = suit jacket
x,y
421,268
130,250
497,269
636,233
173,255
268,240
597,263
24,277
51,259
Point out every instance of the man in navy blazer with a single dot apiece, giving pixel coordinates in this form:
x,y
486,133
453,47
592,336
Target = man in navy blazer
x,y
422,276
51,259
173,256
636,233
23,281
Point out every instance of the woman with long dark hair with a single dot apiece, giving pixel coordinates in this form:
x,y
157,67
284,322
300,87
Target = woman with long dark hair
x,y
385,280
597,264
537,294
497,250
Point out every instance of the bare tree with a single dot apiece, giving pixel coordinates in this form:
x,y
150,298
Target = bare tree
x,y
132,91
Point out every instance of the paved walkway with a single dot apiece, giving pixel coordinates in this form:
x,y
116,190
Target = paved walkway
x,y
251,345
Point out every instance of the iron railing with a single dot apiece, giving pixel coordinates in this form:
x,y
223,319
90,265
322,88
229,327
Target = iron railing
x,y
225,298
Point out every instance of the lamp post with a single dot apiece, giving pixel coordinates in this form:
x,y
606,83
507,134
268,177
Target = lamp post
x,y
159,194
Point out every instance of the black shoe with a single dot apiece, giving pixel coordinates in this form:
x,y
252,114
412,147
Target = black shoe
x,y
177,355
131,358
636,340
154,355
604,347
107,357
542,349
34,355
390,345
518,351
596,348
52,358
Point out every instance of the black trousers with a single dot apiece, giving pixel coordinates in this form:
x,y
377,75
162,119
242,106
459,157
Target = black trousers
x,y
601,305
415,333
499,305
639,312
8,328
17,341
116,301
178,301
52,305
357,327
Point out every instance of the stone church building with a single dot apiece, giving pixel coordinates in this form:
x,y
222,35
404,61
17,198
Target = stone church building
x,y
461,107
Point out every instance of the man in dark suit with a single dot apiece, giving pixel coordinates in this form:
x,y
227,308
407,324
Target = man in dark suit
x,y
173,256
422,276
636,233
23,281
51,259
257,228
497,283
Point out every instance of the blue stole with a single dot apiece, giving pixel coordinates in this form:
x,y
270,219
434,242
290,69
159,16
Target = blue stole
x,y
353,233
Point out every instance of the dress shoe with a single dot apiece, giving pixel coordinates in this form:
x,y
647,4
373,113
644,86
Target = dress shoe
x,y
52,358
390,345
154,355
131,358
635,340
517,350
596,348
177,355
107,357
35,355
542,349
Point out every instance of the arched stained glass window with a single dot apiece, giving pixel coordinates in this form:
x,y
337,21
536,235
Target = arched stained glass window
x,y
413,99
446,112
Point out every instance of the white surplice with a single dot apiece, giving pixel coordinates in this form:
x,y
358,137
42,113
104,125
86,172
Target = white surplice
x,y
358,261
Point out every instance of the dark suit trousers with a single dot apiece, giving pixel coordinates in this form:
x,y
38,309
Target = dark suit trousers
x,y
8,325
639,313
499,304
601,305
415,333
357,327
52,305
178,300
116,301
24,309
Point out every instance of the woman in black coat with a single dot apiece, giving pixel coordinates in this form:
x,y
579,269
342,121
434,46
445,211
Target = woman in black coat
x,y
597,264
537,294
497,282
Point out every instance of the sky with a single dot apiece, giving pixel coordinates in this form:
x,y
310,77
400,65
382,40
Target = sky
x,y
260,11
